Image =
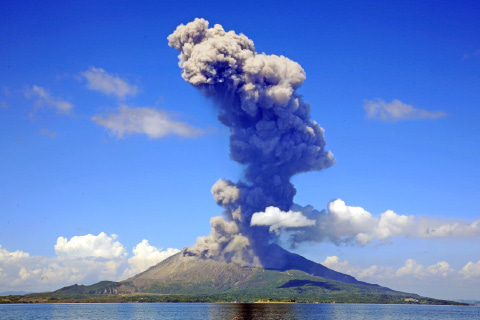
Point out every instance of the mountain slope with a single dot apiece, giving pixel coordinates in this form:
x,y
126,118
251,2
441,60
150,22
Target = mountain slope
x,y
186,274
190,278
277,258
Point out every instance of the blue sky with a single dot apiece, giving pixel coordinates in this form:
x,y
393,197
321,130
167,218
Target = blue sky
x,y
395,85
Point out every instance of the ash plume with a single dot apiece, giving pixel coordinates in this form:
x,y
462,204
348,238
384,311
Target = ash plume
x,y
271,134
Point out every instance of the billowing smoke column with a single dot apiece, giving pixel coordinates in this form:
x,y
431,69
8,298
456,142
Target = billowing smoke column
x,y
271,133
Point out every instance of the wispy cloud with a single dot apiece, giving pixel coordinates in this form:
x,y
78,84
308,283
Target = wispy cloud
x,y
5,93
48,133
152,122
100,80
378,109
471,55
43,98
81,259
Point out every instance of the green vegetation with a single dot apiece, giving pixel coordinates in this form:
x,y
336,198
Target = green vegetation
x,y
185,278
261,286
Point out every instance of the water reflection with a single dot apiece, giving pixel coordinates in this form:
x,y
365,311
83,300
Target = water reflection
x,y
230,311
244,311
299,311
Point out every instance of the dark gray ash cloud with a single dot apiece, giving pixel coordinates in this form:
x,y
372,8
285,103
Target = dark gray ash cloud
x,y
272,134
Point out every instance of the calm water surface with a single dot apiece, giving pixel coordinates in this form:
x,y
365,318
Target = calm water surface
x,y
277,311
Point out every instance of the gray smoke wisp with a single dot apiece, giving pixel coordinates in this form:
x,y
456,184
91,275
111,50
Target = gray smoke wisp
x,y
271,134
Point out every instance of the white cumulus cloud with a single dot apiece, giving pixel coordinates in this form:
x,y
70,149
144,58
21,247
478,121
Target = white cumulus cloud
x,y
6,255
350,224
471,270
152,122
90,245
411,269
100,80
392,224
349,221
83,259
145,256
343,224
439,280
372,273
277,219
396,110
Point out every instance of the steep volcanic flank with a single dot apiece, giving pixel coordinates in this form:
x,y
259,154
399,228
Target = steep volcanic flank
x,y
190,274
185,273
282,260
186,277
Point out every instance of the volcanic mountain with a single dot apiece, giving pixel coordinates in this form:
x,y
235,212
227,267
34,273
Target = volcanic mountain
x,y
273,137
188,277
185,273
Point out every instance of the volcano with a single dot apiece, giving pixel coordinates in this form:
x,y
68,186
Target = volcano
x,y
273,137
192,271
185,277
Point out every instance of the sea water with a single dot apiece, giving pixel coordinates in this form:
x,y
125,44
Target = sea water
x,y
240,311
